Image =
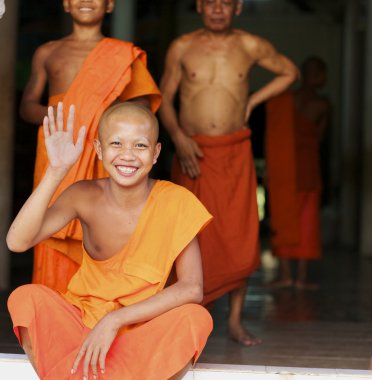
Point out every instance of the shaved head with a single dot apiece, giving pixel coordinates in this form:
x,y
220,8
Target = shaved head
x,y
128,111
313,63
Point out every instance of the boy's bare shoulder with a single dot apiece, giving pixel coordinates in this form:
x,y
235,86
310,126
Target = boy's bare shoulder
x,y
87,190
45,50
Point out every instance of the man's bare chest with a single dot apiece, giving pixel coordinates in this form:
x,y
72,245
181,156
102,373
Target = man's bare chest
x,y
213,65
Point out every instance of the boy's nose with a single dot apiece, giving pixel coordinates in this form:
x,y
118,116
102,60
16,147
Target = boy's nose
x,y
127,153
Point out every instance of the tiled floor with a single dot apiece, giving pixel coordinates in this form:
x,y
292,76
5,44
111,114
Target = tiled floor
x,y
327,328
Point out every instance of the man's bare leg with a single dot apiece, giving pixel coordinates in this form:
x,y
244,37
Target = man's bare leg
x,y
179,375
235,327
27,346
285,277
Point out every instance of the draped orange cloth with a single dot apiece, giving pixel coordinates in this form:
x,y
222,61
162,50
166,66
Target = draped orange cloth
x,y
157,349
114,69
294,181
227,187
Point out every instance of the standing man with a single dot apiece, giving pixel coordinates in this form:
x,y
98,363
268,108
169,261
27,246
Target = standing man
x,y
296,122
210,68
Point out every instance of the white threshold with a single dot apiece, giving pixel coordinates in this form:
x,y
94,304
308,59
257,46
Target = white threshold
x,y
17,366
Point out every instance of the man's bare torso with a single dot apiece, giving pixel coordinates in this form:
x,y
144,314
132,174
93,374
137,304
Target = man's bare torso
x,y
64,61
215,83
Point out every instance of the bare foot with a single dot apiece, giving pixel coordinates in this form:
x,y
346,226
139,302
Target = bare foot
x,y
240,335
303,285
278,284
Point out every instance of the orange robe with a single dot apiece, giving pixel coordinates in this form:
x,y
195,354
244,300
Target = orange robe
x,y
227,187
294,181
114,69
155,350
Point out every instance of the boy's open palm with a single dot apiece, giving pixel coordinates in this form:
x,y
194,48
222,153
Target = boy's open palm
x,y
62,152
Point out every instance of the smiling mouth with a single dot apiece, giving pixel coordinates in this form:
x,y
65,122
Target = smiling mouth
x,y
126,170
85,9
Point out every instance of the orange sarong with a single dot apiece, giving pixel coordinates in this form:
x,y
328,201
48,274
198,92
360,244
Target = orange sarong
x,y
294,181
155,350
114,69
227,188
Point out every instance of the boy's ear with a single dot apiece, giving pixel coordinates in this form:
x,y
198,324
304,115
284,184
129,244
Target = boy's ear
x,y
157,152
239,7
98,148
199,6
66,6
110,6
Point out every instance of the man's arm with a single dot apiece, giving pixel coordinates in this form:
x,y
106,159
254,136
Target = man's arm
x,y
187,289
31,110
284,69
187,150
35,221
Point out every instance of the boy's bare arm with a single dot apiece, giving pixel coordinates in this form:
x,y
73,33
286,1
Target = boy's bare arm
x,y
35,221
187,289
284,69
31,110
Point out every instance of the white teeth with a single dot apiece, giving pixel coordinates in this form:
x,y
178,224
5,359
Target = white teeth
x,y
126,170
86,9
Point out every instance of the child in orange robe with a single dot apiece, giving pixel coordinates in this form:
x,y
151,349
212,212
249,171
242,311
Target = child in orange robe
x,y
91,72
117,317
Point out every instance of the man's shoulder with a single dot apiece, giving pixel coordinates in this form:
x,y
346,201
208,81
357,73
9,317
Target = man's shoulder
x,y
249,39
185,40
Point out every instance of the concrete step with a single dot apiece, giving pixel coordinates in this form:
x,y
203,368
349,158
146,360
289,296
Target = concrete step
x,y
15,366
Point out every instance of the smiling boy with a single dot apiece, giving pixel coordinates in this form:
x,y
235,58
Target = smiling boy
x,y
117,318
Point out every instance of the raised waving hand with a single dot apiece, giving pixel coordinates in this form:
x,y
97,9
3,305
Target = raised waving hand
x,y
59,142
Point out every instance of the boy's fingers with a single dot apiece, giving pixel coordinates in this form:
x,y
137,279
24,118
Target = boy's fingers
x,y
70,118
81,137
93,362
46,126
102,361
60,116
52,126
87,361
77,360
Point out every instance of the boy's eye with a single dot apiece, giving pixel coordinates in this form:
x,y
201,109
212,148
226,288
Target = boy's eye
x,y
115,143
141,145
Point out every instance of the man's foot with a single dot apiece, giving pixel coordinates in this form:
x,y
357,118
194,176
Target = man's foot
x,y
240,335
303,285
279,284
